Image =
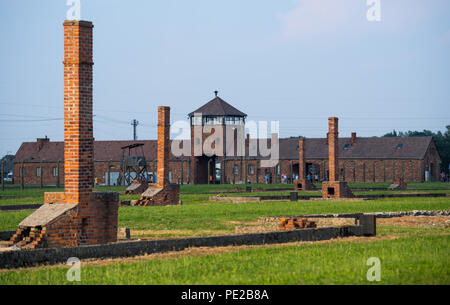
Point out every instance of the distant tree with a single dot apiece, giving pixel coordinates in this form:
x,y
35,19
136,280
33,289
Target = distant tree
x,y
392,134
442,141
8,163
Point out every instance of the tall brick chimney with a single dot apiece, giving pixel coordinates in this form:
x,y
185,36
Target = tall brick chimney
x,y
78,133
353,137
333,147
301,159
78,216
163,146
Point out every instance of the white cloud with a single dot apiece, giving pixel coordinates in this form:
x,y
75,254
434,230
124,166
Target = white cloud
x,y
313,17
342,17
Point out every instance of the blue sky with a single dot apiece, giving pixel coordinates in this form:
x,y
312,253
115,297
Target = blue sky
x,y
296,61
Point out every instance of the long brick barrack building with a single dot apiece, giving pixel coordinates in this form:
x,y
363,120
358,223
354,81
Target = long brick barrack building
x,y
360,159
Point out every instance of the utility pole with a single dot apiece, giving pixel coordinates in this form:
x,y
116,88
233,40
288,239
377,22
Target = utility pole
x,y
22,178
41,182
3,174
135,124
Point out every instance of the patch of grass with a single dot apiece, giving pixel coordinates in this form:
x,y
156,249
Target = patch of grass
x,y
217,216
36,191
19,201
197,213
416,258
205,188
10,220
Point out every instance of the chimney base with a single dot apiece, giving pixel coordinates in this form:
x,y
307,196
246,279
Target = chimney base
x,y
336,189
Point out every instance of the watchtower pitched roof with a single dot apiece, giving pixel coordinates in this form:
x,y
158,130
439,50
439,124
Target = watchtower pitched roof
x,y
218,107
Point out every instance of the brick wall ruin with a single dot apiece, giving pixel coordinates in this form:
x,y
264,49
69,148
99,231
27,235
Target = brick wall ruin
x,y
78,216
163,192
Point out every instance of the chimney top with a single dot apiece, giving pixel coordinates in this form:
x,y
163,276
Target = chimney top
x,y
41,142
353,137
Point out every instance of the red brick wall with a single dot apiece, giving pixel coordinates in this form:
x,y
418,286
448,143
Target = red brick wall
x,y
163,146
333,144
78,133
301,159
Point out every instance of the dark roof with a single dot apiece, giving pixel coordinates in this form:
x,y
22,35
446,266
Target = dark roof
x,y
218,106
315,148
103,151
364,148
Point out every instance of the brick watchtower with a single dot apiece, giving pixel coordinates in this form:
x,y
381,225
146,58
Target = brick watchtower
x,y
217,133
78,216
334,188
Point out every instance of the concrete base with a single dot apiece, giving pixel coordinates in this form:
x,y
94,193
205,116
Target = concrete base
x,y
157,196
304,185
398,184
136,187
336,189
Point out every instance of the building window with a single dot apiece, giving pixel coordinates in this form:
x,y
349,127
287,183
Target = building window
x,y
234,120
55,172
251,169
197,120
170,177
213,120
236,170
38,171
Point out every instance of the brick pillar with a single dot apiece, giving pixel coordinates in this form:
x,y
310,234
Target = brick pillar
x,y
301,159
333,146
163,146
78,134
57,175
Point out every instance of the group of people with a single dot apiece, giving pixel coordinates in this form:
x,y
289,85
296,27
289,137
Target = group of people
x,y
444,177
313,178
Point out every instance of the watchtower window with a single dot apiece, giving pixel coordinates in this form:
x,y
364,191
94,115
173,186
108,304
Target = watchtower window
x,y
213,120
196,120
234,120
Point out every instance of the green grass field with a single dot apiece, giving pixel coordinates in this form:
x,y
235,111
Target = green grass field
x,y
415,256
408,255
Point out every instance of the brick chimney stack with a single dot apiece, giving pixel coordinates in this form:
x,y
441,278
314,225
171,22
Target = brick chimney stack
x,y
163,146
78,133
353,137
333,147
301,159
41,142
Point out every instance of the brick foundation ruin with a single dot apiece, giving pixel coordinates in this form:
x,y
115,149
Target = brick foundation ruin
x,y
78,216
162,193
398,184
136,187
302,184
334,188
295,224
